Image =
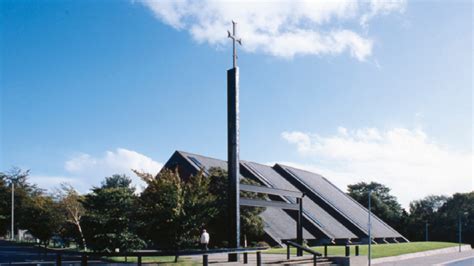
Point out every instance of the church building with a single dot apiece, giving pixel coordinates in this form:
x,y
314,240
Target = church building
x,y
330,216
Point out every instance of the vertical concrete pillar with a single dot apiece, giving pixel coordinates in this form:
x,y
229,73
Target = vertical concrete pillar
x,y
299,230
233,158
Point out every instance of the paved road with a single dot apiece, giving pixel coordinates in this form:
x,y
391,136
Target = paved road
x,y
22,254
469,261
29,255
465,258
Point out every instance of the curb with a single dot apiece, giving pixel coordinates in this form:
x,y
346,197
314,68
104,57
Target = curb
x,y
422,254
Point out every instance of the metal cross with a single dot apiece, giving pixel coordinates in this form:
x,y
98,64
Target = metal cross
x,y
234,39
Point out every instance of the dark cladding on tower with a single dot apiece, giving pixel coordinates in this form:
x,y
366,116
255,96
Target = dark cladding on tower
x,y
233,144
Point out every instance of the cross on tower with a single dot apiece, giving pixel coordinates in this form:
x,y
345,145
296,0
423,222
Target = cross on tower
x,y
234,38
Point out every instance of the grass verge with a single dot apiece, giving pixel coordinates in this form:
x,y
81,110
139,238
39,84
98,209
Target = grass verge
x,y
162,260
378,250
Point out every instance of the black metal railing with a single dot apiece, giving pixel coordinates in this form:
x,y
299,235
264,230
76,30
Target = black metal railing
x,y
301,248
86,256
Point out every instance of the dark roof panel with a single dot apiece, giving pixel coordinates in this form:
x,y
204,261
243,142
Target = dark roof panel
x,y
325,213
203,162
279,225
341,202
276,221
328,224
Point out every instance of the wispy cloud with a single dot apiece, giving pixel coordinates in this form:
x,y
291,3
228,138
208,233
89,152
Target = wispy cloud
x,y
382,7
408,161
85,170
280,28
50,182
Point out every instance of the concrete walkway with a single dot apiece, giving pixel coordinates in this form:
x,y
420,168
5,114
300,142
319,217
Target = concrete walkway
x,y
450,256
267,259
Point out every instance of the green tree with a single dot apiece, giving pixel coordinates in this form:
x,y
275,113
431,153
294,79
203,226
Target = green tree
x,y
109,220
384,205
445,226
4,205
45,217
422,212
250,222
24,191
70,204
175,210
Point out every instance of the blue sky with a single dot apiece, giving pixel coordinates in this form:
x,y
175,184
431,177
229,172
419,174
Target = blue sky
x,y
382,93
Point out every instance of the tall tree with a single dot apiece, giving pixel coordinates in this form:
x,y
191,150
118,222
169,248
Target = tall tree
x,y
71,205
458,207
109,222
45,217
251,223
384,205
4,205
24,191
176,210
423,212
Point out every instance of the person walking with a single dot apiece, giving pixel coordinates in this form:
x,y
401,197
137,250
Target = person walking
x,y
204,239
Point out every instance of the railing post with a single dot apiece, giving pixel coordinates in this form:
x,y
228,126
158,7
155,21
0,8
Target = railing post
x,y
259,258
315,260
287,251
205,260
357,250
325,250
84,260
246,260
348,251
139,260
58,259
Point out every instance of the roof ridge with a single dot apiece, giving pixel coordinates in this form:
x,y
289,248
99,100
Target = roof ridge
x,y
271,166
300,169
195,154
244,161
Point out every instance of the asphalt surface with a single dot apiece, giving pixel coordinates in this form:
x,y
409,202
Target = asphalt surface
x,y
24,254
465,258
16,254
469,261
10,252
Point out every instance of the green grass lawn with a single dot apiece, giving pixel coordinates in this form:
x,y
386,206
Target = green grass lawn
x,y
163,260
378,250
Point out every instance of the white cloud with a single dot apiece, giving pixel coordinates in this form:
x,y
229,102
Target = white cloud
x,y
51,182
83,171
281,28
92,170
383,7
408,161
